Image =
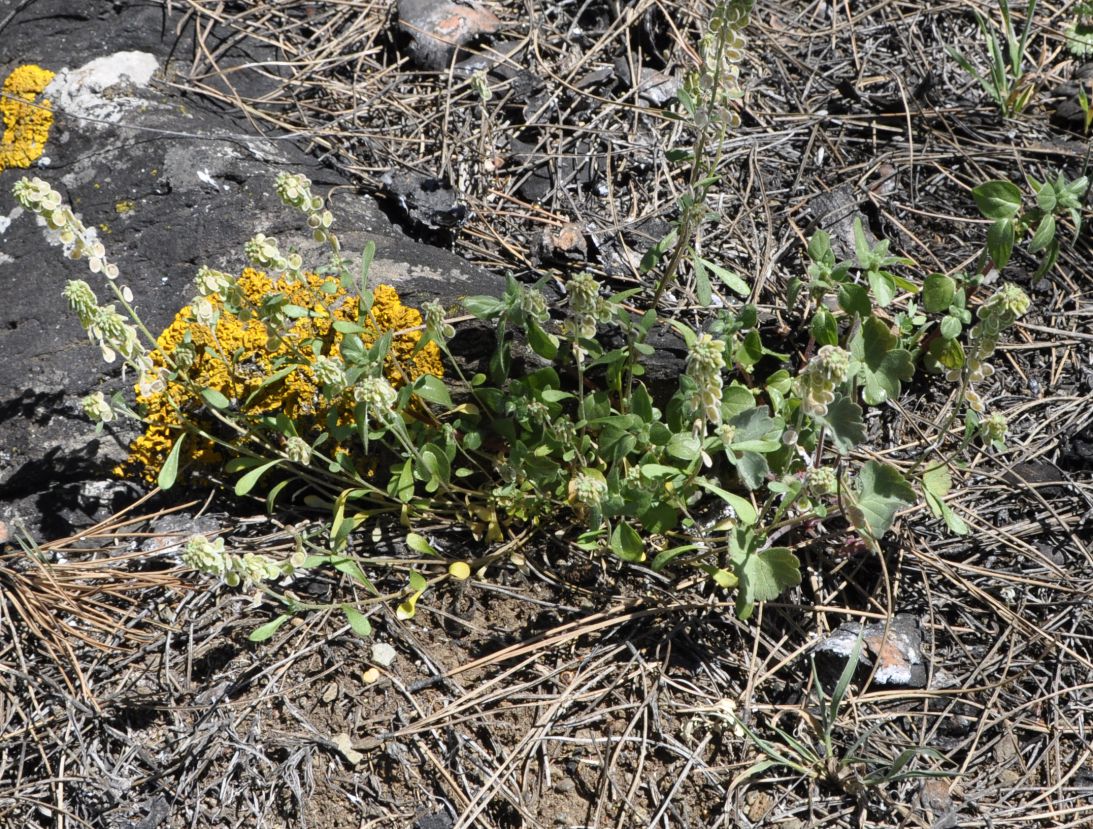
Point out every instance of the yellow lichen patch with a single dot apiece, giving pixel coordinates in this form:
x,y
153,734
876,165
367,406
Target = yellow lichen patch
x,y
124,206
26,120
236,356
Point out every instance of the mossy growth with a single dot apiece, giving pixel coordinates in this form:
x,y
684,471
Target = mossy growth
x,y
26,119
236,356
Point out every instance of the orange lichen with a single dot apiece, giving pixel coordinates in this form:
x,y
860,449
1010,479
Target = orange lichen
x,y
237,356
26,121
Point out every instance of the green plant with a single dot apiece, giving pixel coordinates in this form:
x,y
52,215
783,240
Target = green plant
x,y
848,767
355,429
311,382
1001,201
1005,82
1079,35
1087,110
707,100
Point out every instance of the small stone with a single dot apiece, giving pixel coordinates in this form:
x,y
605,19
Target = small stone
x,y
383,654
344,744
657,88
563,245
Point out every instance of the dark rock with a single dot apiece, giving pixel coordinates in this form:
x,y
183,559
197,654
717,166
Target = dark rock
x,y
424,201
170,186
900,663
1068,112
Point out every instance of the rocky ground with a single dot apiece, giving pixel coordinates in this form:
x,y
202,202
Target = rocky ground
x,y
557,690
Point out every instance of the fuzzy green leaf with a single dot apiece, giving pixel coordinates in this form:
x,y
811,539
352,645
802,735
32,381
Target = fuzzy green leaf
x,y
824,329
418,544
264,632
1000,237
1045,233
937,481
432,389
950,327
854,299
731,279
482,307
169,472
764,576
997,199
685,446
215,399
542,343
247,482
741,506
757,431
881,366
937,292
357,621
626,543
880,492
844,423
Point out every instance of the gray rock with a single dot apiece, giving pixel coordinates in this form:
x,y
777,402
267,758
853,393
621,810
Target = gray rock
x,y
898,656
171,186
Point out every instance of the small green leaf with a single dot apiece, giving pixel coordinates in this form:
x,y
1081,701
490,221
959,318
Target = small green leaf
x,y
418,544
264,632
950,327
347,327
1045,197
542,343
1000,237
937,481
883,287
655,471
350,567
949,353
741,506
703,289
1045,233
367,255
685,446
937,292
247,482
732,280
641,403
880,492
482,307
997,199
357,620
626,543
819,247
824,329
881,365
854,299
169,472
943,511
723,578
215,399
764,576
844,423
431,388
